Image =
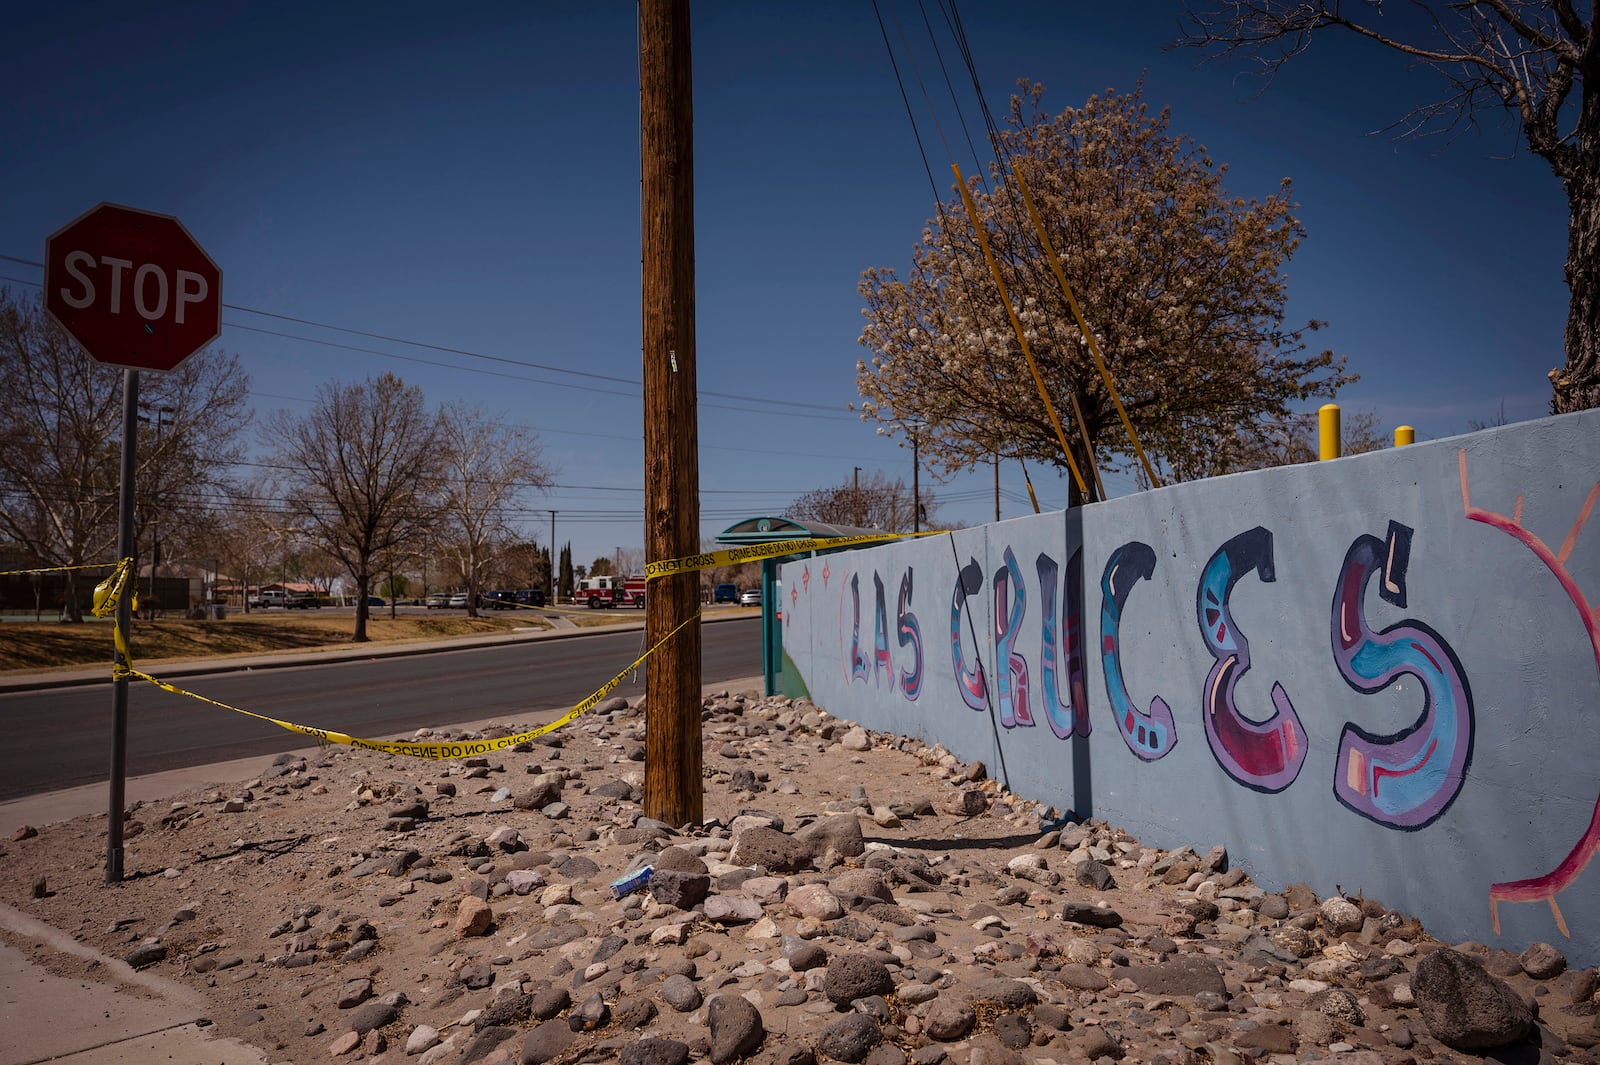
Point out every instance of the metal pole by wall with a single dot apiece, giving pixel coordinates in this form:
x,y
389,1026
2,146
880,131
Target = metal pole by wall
x,y
1329,438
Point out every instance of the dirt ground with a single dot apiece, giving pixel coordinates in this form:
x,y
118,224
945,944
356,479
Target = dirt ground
x,y
859,891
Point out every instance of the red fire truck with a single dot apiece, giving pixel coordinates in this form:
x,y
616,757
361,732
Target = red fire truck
x,y
600,592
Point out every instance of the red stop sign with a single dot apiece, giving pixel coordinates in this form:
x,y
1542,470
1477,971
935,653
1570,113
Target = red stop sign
x,y
132,287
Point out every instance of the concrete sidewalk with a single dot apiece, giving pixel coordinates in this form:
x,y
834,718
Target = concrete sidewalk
x,y
107,1013
110,1014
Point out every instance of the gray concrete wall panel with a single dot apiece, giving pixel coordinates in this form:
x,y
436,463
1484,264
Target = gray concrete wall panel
x,y
1381,672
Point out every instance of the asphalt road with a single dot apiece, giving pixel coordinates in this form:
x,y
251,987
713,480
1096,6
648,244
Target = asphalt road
x,y
62,738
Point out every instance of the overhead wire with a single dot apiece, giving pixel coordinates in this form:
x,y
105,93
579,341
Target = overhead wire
x,y
825,410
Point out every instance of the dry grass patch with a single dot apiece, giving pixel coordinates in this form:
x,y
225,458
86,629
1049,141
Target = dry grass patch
x,y
29,646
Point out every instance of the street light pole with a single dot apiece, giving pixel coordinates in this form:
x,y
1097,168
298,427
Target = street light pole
x,y
550,573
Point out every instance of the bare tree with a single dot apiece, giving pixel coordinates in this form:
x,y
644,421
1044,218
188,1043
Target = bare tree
x,y
60,427
875,502
239,535
1530,59
361,470
488,467
632,559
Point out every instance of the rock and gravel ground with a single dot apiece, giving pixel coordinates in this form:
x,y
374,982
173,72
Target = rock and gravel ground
x,y
851,897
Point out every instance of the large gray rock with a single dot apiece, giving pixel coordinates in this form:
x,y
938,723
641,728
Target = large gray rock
x,y
681,889
655,1052
1340,915
851,1038
852,976
949,1020
840,833
546,1042
732,909
1542,961
372,1015
482,1044
736,1028
1012,994
770,849
542,794
1465,1006
549,1002
1084,913
679,859
679,992
866,883
1092,874
1183,975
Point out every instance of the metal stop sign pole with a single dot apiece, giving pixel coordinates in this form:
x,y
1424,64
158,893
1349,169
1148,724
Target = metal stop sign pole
x,y
124,624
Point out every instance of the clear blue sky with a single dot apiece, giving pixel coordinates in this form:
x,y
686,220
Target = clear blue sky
x,y
468,175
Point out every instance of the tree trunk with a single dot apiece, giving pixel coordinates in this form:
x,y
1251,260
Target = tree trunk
x,y
1576,385
70,609
363,583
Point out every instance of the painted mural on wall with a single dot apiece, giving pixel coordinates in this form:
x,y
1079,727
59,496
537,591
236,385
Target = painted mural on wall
x,y
1545,888
1362,736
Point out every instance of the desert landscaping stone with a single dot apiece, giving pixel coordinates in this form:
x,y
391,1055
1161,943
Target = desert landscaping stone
x,y
1467,1007
849,1039
736,1028
679,992
852,976
655,1052
975,927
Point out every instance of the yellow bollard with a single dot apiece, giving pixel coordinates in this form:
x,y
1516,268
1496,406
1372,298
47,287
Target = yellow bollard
x,y
1404,435
1328,438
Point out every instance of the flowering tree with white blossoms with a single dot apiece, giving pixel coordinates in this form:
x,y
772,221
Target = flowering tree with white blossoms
x,y
1180,281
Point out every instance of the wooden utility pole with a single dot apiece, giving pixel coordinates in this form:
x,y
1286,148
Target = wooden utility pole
x,y
673,790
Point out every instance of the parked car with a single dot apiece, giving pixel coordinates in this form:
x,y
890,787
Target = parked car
x,y
750,597
725,593
438,601
375,600
274,597
498,600
459,600
302,601
531,597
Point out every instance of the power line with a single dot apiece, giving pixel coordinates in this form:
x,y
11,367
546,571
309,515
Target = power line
x,y
821,408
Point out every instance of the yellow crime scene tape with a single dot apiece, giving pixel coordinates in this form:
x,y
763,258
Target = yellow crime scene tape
x,y
109,590
60,569
735,555
123,670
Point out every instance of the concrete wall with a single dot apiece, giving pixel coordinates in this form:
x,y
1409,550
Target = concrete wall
x,y
1379,672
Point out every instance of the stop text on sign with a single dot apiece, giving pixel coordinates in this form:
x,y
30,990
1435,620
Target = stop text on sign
x,y
150,289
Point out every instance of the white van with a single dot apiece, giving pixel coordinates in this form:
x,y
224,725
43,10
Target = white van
x,y
274,597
